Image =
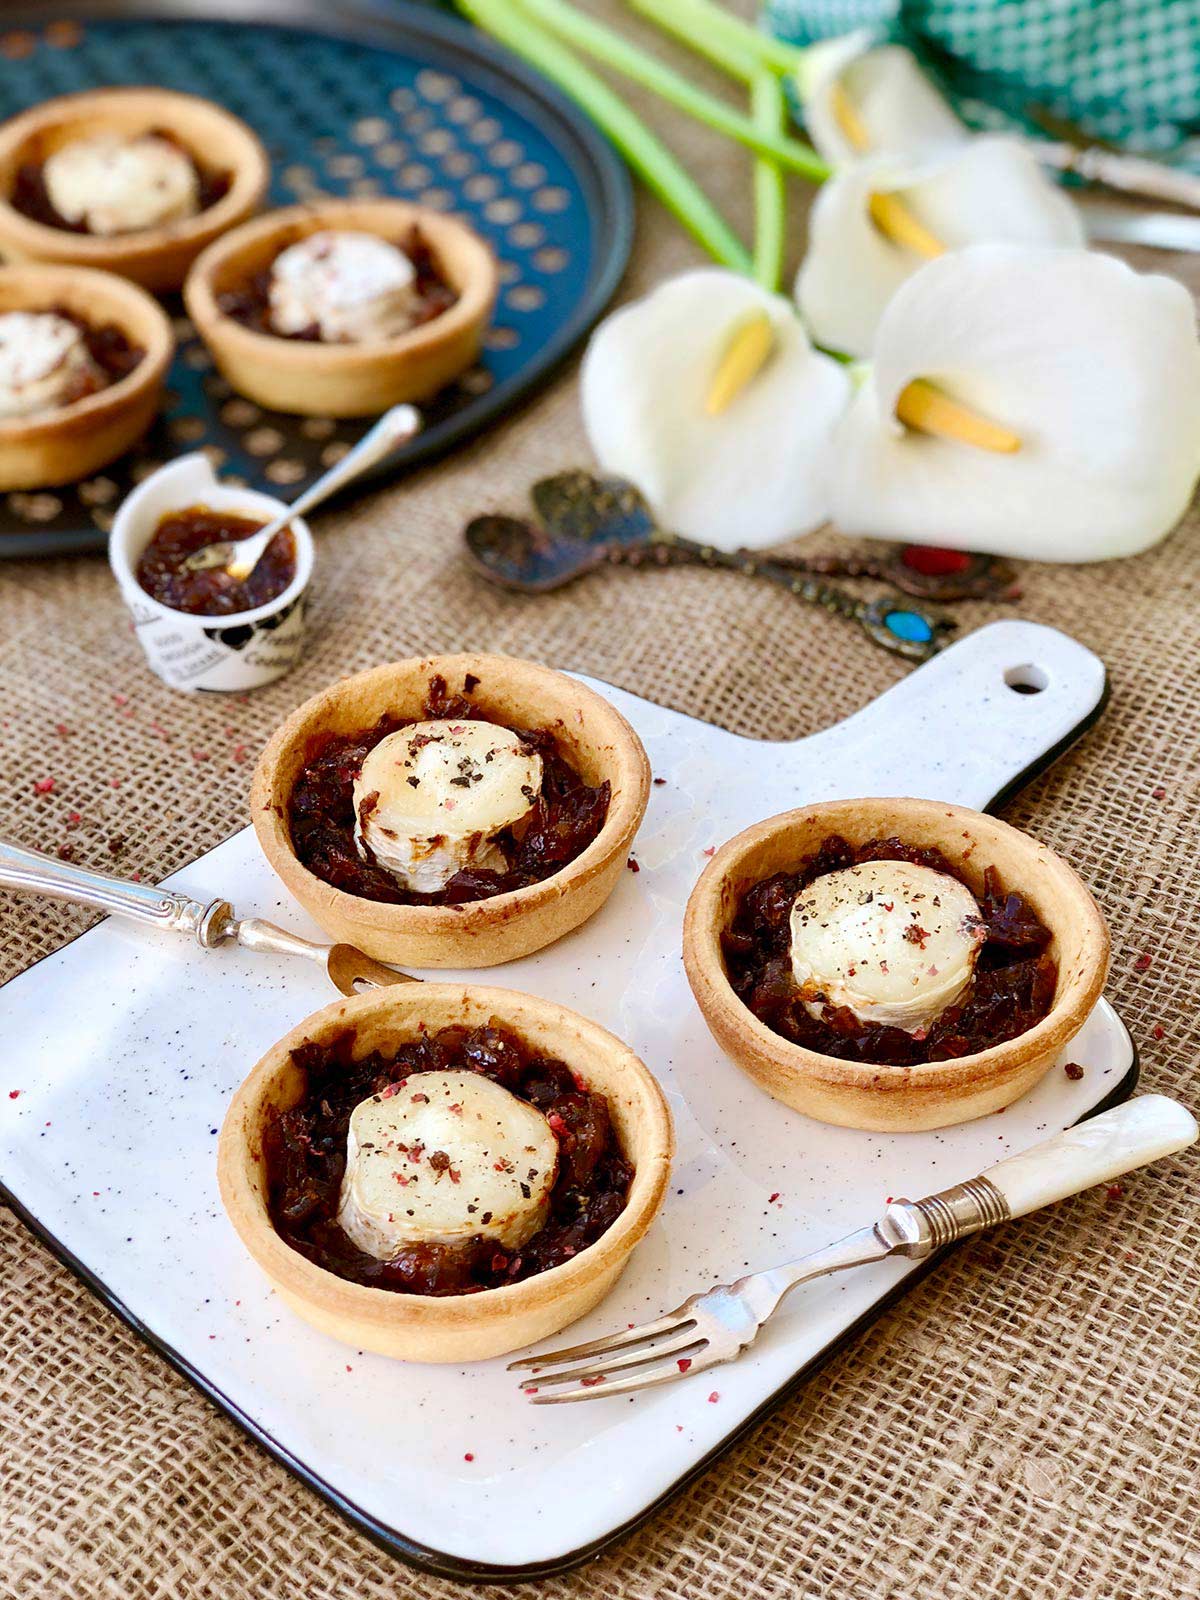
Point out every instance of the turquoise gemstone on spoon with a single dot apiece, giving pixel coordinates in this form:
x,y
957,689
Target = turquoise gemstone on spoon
x,y
908,625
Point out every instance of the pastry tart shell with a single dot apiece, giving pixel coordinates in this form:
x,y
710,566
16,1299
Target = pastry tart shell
x,y
593,736
158,258
901,1098
449,1328
67,443
313,378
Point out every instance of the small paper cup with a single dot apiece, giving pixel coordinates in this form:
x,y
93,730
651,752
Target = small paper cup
x,y
241,651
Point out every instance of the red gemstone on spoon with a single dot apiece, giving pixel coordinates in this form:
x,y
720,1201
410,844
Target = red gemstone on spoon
x,y
931,562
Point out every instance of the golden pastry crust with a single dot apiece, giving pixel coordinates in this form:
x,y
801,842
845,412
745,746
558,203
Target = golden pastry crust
x,y
344,380
595,738
158,258
70,442
897,1099
450,1328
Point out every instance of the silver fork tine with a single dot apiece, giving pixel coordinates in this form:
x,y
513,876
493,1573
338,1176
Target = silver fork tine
x,y
641,1380
671,1323
692,1340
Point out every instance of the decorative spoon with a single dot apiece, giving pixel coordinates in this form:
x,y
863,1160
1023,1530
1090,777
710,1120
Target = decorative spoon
x,y
239,557
584,522
32,872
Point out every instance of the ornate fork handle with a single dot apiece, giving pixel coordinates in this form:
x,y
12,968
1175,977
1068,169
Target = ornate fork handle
x,y
913,1228
159,907
1092,1152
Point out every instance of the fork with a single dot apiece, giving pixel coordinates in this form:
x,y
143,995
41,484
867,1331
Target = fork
x,y
717,1326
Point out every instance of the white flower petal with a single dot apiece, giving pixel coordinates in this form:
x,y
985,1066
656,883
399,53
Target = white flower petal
x,y
1096,367
753,475
901,111
990,188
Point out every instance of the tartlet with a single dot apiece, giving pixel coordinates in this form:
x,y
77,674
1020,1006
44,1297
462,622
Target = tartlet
x,y
353,379
897,1098
68,442
599,742
460,1327
158,257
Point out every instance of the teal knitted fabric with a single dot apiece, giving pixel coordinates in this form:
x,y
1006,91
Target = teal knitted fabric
x,y
1123,71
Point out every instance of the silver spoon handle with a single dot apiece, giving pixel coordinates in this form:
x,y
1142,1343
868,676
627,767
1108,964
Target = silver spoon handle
x,y
252,933
393,429
32,872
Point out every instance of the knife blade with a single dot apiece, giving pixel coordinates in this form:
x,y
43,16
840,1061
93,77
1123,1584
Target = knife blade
x,y
1159,230
1115,170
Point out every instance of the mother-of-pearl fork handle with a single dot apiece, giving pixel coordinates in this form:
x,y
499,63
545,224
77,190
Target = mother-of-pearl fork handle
x,y
32,872
1097,1151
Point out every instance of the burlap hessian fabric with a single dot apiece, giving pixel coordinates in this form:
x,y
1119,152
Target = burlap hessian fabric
x,y
1025,1424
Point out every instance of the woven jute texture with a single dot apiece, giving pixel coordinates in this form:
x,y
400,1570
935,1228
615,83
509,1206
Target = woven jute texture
x,y
1025,1424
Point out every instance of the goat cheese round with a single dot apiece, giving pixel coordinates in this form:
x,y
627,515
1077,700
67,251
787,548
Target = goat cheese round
x,y
348,287
44,362
431,798
113,185
442,1157
892,942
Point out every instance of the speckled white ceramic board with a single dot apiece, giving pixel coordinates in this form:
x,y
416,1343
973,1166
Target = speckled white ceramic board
x,y
126,1046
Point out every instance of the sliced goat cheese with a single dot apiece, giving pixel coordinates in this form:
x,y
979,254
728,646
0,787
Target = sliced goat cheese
x,y
431,798
349,287
442,1157
114,185
892,942
44,362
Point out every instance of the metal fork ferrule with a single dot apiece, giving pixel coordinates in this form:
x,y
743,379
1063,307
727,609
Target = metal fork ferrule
x,y
917,1228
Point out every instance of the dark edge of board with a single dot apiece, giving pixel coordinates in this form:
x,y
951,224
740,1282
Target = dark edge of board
x,y
601,174
439,1562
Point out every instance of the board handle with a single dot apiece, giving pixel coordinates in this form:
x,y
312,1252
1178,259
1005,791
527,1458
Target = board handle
x,y
977,722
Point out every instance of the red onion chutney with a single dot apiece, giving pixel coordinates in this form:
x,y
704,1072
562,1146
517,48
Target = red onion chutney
x,y
162,571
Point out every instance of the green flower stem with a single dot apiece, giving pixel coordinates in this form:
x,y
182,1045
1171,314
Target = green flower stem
x,y
687,24
770,201
609,47
649,158
708,27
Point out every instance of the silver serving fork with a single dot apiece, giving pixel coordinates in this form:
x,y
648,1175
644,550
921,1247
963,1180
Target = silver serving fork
x,y
717,1326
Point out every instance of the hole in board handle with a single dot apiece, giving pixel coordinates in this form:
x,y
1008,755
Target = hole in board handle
x,y
1026,679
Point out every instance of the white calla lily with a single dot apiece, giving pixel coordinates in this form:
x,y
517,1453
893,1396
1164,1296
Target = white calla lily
x,y
862,244
708,396
863,101
1066,392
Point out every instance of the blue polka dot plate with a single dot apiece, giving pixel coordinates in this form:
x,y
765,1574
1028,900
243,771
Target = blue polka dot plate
x,y
355,99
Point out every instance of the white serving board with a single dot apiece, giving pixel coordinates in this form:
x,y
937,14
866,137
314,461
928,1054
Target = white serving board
x,y
126,1046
